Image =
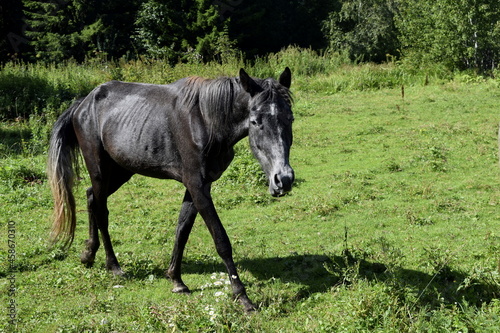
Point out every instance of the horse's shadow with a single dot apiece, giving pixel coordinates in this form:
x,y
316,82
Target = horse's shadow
x,y
317,273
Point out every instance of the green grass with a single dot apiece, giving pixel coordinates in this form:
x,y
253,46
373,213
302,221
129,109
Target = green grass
x,y
392,226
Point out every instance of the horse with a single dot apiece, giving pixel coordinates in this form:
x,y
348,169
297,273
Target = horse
x,y
185,131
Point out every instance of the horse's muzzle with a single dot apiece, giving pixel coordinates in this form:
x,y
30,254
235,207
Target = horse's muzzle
x,y
281,182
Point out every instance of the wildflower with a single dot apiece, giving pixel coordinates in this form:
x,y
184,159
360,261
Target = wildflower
x,y
211,312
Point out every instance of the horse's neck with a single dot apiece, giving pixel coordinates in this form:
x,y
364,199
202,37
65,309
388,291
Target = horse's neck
x,y
239,121
227,121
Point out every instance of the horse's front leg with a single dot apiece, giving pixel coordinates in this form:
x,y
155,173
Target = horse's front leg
x,y
184,226
205,206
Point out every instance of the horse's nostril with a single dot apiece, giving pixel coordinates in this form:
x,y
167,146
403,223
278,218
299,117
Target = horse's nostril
x,y
277,180
283,181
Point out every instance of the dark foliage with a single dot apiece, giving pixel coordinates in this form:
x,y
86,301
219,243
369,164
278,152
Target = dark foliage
x,y
457,34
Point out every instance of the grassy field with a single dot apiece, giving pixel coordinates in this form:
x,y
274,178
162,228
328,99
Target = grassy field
x,y
393,226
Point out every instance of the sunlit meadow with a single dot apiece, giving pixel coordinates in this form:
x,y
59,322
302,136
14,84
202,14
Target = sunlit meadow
x,y
392,226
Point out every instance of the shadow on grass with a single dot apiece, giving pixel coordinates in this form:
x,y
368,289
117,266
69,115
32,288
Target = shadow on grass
x,y
12,139
320,273
316,273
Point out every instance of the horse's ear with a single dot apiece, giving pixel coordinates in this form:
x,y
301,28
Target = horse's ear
x,y
248,84
286,78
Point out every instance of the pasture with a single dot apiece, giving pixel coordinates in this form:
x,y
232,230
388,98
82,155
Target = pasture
x,y
393,225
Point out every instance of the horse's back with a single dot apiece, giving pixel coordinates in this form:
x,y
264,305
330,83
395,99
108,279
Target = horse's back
x,y
134,123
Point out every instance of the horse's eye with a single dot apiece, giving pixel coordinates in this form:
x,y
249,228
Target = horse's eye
x,y
256,120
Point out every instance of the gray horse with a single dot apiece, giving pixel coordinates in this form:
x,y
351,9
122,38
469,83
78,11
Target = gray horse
x,y
183,131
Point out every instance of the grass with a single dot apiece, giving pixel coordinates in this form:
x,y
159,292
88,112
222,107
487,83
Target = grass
x,y
392,226
45,90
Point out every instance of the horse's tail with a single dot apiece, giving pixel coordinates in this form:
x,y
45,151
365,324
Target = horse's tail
x,y
62,169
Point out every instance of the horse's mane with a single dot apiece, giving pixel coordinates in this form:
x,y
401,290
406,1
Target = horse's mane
x,y
271,90
215,99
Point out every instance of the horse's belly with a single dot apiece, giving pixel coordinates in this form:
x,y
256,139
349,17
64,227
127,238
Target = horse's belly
x,y
147,152
148,161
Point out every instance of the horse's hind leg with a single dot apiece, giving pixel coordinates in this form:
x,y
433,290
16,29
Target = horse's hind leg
x,y
92,244
97,195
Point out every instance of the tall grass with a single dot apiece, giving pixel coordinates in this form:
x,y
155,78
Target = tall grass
x,y
39,88
27,89
38,92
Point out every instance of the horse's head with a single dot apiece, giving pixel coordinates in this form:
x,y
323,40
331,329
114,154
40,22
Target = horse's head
x,y
270,128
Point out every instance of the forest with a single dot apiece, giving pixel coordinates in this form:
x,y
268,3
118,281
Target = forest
x,y
459,34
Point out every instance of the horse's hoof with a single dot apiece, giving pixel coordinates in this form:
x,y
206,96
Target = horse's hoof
x,y
87,260
181,289
248,306
117,271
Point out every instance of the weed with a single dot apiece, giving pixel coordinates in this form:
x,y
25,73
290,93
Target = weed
x,y
438,159
394,166
416,220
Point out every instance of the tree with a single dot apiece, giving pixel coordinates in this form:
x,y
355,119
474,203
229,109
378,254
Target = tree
x,y
181,30
77,28
263,26
117,17
3,33
365,29
55,29
12,41
458,33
